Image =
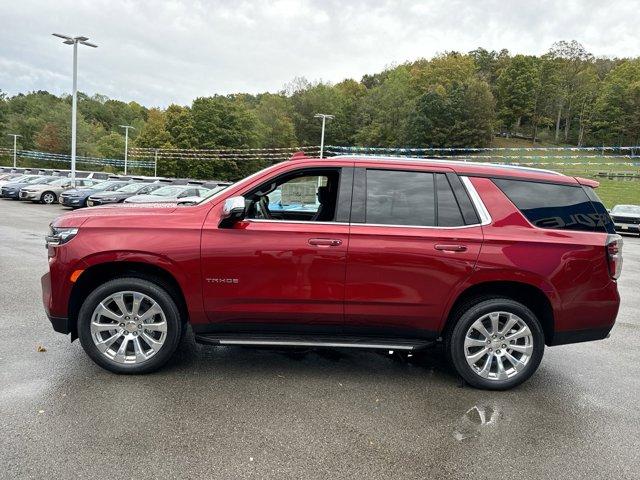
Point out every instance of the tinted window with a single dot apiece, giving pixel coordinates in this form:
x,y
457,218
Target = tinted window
x,y
449,214
400,198
553,206
605,223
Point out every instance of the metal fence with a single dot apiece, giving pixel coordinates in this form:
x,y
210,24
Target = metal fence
x,y
621,162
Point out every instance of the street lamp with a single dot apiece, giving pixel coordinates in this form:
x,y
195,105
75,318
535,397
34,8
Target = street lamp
x,y
74,104
15,138
126,144
324,117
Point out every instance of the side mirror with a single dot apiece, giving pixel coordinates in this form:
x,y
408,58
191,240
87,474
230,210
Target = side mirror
x,y
232,211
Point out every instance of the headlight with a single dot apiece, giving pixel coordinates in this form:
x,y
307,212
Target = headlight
x,y
60,236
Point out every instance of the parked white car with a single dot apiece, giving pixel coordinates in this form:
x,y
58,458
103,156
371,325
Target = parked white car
x,y
169,194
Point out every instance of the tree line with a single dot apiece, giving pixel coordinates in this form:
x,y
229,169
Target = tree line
x,y
566,96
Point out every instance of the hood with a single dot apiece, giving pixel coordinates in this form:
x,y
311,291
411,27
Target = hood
x,y
40,187
109,195
128,213
77,191
150,199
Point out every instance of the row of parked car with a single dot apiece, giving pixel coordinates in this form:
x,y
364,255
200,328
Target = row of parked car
x,y
98,188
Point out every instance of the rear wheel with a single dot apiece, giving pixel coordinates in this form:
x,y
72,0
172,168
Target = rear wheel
x,y
129,325
496,343
48,198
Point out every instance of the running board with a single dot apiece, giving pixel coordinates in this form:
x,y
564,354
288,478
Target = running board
x,y
315,341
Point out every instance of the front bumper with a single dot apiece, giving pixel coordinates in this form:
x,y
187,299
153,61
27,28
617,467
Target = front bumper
x,y
627,227
59,324
29,196
94,202
6,193
71,201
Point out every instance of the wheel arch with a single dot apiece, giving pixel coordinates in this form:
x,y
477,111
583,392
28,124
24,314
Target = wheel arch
x,y
100,273
527,294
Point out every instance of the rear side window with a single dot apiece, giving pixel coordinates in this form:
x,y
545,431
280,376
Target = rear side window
x,y
400,198
546,205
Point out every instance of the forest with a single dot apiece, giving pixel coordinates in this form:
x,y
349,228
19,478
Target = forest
x,y
565,97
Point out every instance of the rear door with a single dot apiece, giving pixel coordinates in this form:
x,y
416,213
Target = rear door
x,y
415,238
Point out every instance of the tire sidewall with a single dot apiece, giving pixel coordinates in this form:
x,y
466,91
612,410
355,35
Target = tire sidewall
x,y
158,294
455,342
52,201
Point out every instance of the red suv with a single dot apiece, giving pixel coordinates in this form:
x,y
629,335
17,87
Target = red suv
x,y
492,261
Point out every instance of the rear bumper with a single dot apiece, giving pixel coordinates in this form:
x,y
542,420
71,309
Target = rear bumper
x,y
577,336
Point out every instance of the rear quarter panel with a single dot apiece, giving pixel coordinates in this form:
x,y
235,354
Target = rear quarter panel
x,y
569,266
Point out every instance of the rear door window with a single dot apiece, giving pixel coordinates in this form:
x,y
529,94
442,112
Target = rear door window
x,y
400,198
547,205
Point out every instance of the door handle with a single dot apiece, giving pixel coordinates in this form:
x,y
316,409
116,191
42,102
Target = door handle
x,y
451,248
325,242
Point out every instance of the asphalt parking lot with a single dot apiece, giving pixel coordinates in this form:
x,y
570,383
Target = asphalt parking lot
x,y
219,412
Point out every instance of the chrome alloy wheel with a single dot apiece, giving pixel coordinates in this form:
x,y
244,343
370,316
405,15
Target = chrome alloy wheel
x,y
128,327
48,198
498,345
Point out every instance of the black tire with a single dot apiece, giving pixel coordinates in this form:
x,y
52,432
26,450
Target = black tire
x,y
146,287
466,315
48,198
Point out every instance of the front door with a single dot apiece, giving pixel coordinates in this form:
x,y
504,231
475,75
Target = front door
x,y
282,268
412,242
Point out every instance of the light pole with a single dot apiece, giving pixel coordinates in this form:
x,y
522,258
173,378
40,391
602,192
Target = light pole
x,y
15,151
126,144
324,117
74,104
155,164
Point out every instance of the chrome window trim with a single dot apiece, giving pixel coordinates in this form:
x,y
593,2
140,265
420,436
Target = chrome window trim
x,y
303,222
483,213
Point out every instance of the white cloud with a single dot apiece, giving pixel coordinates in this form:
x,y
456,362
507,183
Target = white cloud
x,y
173,51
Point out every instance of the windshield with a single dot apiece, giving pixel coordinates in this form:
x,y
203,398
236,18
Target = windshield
x,y
18,179
633,209
58,181
170,191
132,188
106,186
37,180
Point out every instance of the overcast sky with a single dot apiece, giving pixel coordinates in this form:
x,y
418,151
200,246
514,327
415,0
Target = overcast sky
x,y
162,52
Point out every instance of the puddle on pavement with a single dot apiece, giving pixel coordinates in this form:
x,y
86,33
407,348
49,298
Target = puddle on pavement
x,y
477,420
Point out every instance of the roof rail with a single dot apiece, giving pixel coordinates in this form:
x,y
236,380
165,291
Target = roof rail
x,y
446,161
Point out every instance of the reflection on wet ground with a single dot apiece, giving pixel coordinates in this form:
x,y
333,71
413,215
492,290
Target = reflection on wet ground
x,y
476,421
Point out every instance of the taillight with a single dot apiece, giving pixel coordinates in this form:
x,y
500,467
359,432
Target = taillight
x,y
614,255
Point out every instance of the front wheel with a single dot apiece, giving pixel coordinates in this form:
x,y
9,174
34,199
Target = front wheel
x,y
48,198
129,325
496,343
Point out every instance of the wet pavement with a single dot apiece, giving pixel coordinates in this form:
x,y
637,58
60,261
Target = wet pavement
x,y
219,412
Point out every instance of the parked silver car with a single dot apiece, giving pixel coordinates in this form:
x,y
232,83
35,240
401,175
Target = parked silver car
x,y
49,192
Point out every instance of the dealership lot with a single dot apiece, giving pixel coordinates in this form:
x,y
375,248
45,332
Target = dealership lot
x,y
255,413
